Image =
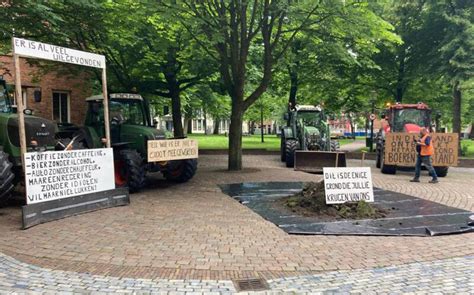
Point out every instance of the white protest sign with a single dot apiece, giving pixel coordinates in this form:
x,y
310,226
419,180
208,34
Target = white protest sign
x,y
349,184
172,149
63,174
36,49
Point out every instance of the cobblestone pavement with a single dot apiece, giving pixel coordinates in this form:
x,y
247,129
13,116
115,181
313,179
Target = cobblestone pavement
x,y
194,231
441,276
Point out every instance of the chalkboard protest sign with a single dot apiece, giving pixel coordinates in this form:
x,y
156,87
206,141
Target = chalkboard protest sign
x,y
349,184
62,174
173,149
400,149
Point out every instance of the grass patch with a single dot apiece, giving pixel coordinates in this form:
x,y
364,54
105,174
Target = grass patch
x,y
221,142
467,147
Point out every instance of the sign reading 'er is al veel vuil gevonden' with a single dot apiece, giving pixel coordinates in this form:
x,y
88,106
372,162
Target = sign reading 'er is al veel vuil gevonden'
x,y
63,174
350,184
36,49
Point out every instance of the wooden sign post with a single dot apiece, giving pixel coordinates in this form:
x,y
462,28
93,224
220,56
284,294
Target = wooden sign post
x,y
59,194
33,49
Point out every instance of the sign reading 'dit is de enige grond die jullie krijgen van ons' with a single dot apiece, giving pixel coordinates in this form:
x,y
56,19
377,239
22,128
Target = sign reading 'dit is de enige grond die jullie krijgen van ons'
x,y
62,174
349,184
36,49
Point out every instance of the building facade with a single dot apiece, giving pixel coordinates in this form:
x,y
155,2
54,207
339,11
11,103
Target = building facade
x,y
52,94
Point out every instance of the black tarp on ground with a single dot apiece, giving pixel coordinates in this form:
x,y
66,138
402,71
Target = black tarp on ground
x,y
408,216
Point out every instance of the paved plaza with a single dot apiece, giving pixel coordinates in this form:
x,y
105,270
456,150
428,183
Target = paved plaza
x,y
193,238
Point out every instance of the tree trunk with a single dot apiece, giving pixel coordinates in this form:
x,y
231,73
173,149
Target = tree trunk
x,y
351,122
293,86
177,115
170,72
216,126
188,125
235,135
401,76
457,112
456,108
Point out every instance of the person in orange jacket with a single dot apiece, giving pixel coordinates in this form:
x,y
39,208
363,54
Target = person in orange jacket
x,y
425,150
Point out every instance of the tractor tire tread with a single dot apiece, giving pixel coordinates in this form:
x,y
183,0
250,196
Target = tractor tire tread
x,y
136,169
7,176
441,171
188,172
291,145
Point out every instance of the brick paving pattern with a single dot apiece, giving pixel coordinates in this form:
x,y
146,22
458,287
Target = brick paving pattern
x,y
442,276
194,231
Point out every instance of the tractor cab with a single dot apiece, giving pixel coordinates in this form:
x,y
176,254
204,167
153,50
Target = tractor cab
x,y
130,120
407,118
310,124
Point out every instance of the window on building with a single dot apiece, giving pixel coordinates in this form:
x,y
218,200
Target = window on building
x,y
61,107
23,94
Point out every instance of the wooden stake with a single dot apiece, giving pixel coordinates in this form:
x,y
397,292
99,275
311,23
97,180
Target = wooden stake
x,y
337,159
106,107
20,108
363,158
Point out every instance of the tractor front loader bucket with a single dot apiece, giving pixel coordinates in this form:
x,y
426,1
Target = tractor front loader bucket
x,y
313,161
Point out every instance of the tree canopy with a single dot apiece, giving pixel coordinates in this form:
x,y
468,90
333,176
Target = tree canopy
x,y
234,58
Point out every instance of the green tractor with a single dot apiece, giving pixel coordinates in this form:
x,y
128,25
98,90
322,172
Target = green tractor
x,y
131,128
40,135
306,130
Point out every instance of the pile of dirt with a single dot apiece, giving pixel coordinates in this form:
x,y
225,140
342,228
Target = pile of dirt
x,y
311,201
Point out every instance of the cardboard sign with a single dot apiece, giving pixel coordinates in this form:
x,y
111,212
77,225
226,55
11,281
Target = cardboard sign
x,y
36,49
351,184
400,149
173,149
63,174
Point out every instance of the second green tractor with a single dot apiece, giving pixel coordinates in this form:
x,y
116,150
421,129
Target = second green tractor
x,y
131,128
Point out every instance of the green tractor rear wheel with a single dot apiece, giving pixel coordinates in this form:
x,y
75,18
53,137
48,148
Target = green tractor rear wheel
x,y
6,176
129,170
291,145
180,170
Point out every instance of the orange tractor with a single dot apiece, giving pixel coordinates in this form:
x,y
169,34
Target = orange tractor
x,y
403,118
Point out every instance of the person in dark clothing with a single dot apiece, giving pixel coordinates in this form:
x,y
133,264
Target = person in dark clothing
x,y
425,151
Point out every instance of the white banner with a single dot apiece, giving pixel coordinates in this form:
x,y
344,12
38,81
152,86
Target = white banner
x,y
63,174
172,149
350,184
36,49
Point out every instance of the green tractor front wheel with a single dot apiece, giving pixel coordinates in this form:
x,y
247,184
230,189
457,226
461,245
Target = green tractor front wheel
x,y
291,145
335,146
6,176
180,170
129,170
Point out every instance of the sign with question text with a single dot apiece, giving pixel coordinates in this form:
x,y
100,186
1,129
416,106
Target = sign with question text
x,y
348,184
29,48
172,149
400,149
62,174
